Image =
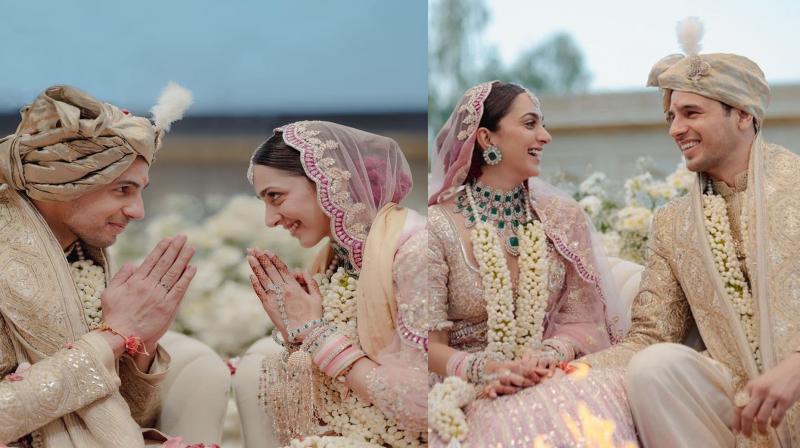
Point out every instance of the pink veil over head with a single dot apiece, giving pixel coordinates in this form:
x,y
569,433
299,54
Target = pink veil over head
x,y
356,174
454,144
568,227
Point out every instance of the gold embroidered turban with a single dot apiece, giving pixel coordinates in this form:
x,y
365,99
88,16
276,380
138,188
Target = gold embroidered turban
x,y
69,144
728,78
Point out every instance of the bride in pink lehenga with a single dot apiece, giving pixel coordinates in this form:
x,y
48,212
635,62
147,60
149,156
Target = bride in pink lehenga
x,y
519,286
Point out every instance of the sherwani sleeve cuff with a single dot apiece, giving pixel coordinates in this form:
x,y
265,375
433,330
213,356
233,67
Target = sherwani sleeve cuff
x,y
98,346
142,390
158,367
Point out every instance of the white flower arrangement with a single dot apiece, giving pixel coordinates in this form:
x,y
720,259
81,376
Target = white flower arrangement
x,y
612,243
624,226
724,253
445,415
330,442
635,219
496,280
592,205
681,179
220,307
593,185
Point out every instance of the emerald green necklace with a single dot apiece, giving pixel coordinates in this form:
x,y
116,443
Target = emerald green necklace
x,y
507,210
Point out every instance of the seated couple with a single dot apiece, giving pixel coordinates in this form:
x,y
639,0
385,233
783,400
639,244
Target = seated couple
x,y
86,356
528,332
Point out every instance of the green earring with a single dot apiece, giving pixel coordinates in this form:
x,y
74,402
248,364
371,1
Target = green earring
x,y
492,155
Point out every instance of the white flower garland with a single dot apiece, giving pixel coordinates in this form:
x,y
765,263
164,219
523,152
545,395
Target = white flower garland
x,y
512,331
445,416
330,442
90,281
721,241
342,411
533,286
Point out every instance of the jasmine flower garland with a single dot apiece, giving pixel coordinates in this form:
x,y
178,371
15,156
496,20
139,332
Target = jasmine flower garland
x,y
512,331
445,416
720,239
90,282
358,422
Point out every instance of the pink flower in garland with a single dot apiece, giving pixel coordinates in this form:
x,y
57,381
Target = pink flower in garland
x,y
17,375
233,364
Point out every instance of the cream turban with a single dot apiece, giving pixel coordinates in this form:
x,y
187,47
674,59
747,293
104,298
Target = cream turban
x,y
68,143
728,78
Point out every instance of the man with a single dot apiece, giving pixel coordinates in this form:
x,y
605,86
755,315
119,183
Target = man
x,y
722,259
81,361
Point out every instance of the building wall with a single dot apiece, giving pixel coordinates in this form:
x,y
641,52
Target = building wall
x,y
609,132
208,157
205,166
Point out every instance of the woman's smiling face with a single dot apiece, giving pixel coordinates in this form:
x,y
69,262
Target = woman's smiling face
x,y
291,202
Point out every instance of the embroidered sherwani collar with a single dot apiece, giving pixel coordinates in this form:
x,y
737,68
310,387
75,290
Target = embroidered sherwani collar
x,y
739,185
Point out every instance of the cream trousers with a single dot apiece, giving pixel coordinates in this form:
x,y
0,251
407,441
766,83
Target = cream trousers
x,y
257,428
680,398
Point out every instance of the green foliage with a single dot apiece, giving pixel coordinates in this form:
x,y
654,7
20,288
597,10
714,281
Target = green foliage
x,y
457,59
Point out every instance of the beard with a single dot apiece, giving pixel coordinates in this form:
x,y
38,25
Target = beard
x,y
91,235
99,240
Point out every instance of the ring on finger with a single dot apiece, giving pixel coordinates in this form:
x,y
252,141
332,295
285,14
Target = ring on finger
x,y
741,399
163,285
491,378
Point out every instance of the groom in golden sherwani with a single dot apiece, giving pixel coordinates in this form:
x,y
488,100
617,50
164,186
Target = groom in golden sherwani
x,y
76,375
742,292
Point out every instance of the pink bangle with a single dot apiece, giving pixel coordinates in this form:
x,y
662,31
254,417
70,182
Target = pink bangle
x,y
454,364
327,345
342,362
337,350
336,363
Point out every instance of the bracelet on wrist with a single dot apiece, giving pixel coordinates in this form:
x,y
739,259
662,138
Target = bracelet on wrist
x,y
304,329
133,344
455,364
335,353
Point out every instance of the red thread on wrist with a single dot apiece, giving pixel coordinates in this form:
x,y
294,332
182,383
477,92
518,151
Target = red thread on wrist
x,y
133,344
566,367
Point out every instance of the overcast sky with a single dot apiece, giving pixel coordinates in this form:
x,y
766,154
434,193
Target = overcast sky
x,y
238,57
622,39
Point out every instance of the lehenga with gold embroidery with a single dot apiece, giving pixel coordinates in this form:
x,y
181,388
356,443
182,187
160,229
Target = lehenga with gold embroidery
x,y
581,312
380,246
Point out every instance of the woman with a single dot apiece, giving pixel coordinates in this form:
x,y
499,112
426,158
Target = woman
x,y
518,284
354,362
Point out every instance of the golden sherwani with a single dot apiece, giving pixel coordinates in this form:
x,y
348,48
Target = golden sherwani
x,y
75,394
681,286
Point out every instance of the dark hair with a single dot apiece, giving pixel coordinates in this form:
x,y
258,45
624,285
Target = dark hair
x,y
275,153
495,107
728,108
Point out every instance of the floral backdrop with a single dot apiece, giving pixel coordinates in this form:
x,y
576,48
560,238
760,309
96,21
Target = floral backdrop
x,y
624,222
220,307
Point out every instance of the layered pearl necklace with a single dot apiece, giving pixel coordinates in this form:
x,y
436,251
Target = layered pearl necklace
x,y
90,281
720,238
512,328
